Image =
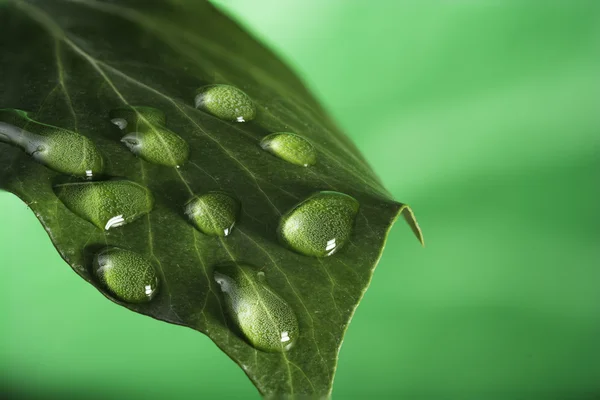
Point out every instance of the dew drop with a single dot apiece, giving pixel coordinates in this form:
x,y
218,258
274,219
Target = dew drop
x,y
147,137
126,274
137,117
107,204
225,102
320,225
291,148
213,213
59,149
266,320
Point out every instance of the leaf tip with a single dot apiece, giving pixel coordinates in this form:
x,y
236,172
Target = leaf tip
x,y
409,216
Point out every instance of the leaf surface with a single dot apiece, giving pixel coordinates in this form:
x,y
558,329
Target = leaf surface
x,y
69,64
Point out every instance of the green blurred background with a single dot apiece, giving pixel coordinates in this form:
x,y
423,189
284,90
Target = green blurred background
x,y
485,117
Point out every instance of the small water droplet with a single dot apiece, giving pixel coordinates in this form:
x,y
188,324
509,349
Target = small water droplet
x,y
291,148
148,138
266,319
59,149
213,213
225,102
107,204
126,274
320,225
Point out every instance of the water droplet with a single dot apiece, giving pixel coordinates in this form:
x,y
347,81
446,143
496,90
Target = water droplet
x,y
107,204
127,275
320,225
290,147
267,320
213,213
59,149
141,117
148,138
226,102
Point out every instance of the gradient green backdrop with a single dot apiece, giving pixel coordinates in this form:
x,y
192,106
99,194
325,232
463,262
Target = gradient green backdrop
x,y
485,117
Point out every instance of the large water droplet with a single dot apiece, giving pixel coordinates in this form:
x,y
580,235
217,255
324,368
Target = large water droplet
x,y
213,213
107,204
148,138
320,225
290,147
267,320
226,102
127,275
59,149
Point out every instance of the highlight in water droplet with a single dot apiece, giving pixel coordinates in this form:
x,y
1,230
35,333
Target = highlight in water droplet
x,y
115,222
59,149
148,138
127,275
266,320
107,204
291,148
225,102
121,123
213,213
320,225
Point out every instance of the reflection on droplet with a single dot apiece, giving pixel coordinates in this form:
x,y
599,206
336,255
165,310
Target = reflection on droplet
x,y
266,320
331,244
107,204
59,149
126,274
320,225
148,138
213,213
225,102
121,123
115,222
291,148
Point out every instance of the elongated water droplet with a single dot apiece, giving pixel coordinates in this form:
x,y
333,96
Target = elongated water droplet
x,y
226,102
291,148
107,204
59,149
127,275
148,138
213,213
267,320
320,225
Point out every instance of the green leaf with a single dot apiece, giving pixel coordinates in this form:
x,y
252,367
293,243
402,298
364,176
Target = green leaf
x,y
101,116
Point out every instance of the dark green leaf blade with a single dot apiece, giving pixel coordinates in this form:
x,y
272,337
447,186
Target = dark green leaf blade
x,y
69,63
